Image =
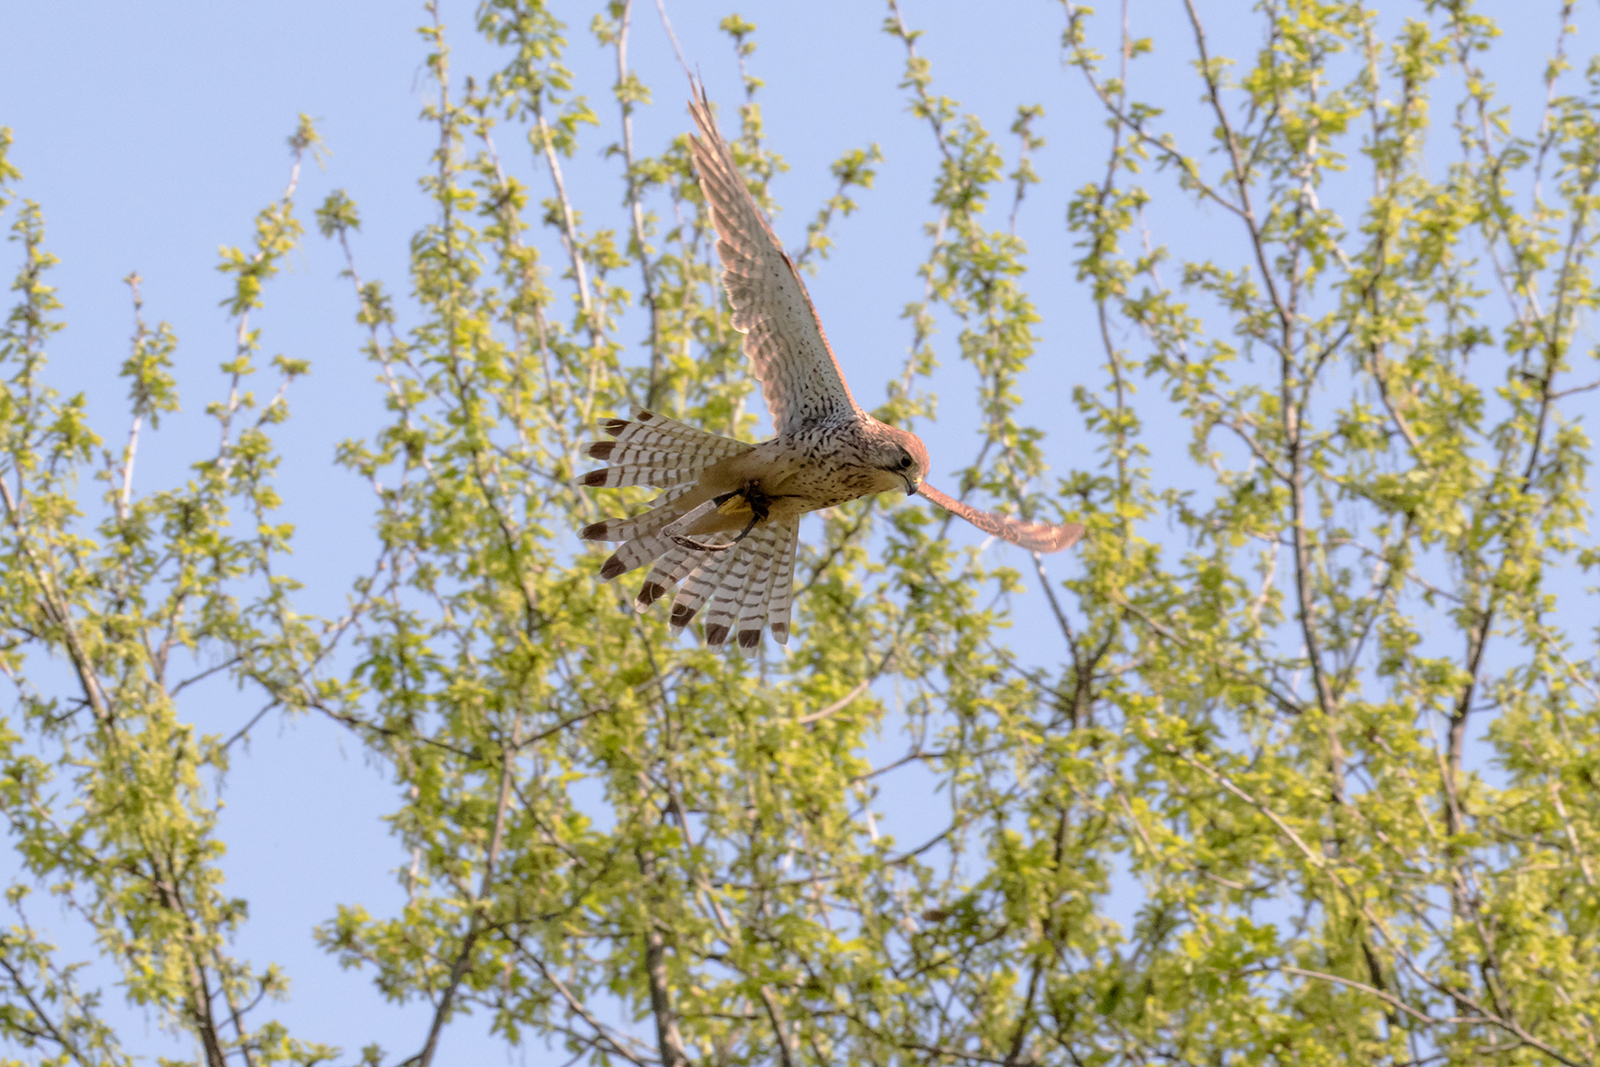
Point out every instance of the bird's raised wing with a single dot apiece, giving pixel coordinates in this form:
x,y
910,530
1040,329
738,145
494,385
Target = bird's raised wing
x,y
788,351
1034,536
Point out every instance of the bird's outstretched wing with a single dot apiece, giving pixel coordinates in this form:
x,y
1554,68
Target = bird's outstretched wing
x,y
1034,536
788,351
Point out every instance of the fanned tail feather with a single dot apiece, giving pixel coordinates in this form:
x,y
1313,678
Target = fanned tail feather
x,y
698,587
650,544
634,554
743,588
781,596
662,512
650,449
728,600
670,569
758,591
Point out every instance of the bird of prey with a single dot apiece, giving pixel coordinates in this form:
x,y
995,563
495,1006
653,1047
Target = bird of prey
x,y
726,524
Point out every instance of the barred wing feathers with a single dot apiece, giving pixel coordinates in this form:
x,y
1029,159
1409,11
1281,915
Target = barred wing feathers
x,y
1034,536
789,353
742,589
651,449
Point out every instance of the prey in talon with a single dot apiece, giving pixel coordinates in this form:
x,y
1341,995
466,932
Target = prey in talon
x,y
827,449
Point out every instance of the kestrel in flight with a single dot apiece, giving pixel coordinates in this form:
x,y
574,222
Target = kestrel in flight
x,y
748,498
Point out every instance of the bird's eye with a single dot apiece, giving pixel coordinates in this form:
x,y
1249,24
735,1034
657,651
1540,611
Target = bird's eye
x,y
905,462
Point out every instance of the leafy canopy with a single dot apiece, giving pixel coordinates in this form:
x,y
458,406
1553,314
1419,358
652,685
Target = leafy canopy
x,y
1315,703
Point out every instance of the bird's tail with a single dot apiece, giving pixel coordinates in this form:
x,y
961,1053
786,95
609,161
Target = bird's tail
x,y
651,449
742,590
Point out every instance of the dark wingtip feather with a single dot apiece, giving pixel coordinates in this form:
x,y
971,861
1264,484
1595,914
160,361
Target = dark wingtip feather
x,y
611,568
614,427
780,632
716,634
650,593
680,616
601,449
595,478
595,531
749,638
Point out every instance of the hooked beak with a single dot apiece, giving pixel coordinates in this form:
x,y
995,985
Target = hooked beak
x,y
911,486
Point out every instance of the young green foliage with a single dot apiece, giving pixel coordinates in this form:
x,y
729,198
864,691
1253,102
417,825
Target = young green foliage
x,y
109,796
1277,668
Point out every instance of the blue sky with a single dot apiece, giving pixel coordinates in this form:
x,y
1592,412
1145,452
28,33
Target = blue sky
x,y
152,134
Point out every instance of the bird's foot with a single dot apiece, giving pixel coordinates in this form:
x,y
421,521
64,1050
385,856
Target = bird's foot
x,y
752,496
699,546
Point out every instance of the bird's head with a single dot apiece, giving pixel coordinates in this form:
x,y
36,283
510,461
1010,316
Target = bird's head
x,y
901,455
